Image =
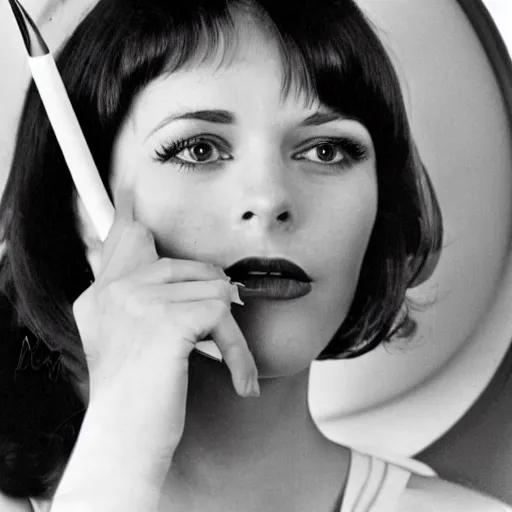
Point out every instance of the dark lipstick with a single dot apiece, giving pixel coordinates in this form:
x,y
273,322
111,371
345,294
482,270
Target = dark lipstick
x,y
270,278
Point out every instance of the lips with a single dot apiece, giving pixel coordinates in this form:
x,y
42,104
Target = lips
x,y
270,278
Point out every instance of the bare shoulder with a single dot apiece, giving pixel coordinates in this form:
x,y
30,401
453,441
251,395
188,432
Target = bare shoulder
x,y
8,504
427,494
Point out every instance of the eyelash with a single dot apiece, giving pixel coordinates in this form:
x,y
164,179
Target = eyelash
x,y
169,151
354,150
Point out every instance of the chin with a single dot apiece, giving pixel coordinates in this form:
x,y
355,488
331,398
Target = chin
x,y
285,341
273,365
283,352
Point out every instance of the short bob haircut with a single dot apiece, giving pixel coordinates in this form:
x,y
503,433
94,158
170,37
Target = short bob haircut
x,y
329,51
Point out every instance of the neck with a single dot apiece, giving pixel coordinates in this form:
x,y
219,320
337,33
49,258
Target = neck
x,y
252,447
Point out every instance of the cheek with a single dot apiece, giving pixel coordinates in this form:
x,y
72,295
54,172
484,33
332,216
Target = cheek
x,y
344,223
181,219
344,244
356,233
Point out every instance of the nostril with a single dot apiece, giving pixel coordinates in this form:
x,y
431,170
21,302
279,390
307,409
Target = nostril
x,y
283,217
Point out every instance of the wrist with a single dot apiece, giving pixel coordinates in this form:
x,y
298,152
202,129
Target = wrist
x,y
113,467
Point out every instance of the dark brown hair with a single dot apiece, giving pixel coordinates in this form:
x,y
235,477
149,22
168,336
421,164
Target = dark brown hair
x,y
329,50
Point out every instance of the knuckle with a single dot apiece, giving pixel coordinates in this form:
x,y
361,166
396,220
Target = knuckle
x,y
166,264
222,290
185,332
219,309
80,304
159,311
77,308
220,272
114,291
234,355
133,303
121,227
141,233
212,269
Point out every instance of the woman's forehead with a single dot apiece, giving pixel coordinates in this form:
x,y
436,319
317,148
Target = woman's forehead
x,y
228,66
219,83
250,41
185,99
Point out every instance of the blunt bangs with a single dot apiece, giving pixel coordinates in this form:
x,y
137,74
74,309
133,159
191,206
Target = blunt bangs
x,y
137,44
329,54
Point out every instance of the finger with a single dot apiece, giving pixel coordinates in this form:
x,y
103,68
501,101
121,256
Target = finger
x,y
94,258
125,203
237,356
129,244
171,270
212,318
124,218
131,248
192,291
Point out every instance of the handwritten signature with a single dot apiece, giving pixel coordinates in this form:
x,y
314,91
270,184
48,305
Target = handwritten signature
x,y
39,356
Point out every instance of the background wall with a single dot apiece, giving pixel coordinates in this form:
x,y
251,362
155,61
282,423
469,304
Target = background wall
x,y
478,450
501,11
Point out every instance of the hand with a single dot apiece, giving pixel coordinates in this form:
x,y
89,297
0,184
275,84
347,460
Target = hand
x,y
140,320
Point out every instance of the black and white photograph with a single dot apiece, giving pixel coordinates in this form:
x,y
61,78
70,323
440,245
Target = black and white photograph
x,y
256,256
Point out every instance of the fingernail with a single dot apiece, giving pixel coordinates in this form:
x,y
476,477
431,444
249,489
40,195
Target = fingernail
x,y
235,296
254,387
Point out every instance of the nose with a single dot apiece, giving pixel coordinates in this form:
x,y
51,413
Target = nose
x,y
266,200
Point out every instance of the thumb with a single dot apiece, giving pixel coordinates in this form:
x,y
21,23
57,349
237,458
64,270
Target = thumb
x,y
125,203
129,244
94,257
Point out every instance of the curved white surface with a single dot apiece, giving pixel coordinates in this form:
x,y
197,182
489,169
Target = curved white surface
x,y
402,397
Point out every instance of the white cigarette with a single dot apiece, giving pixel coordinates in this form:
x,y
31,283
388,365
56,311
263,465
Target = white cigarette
x,y
67,130
72,142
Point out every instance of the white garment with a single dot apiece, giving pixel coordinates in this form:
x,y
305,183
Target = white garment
x,y
36,507
373,484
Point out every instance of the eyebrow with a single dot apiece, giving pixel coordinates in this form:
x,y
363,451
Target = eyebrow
x,y
226,117
322,118
210,116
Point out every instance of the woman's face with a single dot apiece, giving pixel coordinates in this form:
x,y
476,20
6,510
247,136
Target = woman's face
x,y
224,168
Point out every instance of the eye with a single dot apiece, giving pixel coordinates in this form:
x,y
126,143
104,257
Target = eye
x,y
325,153
337,152
193,152
199,153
